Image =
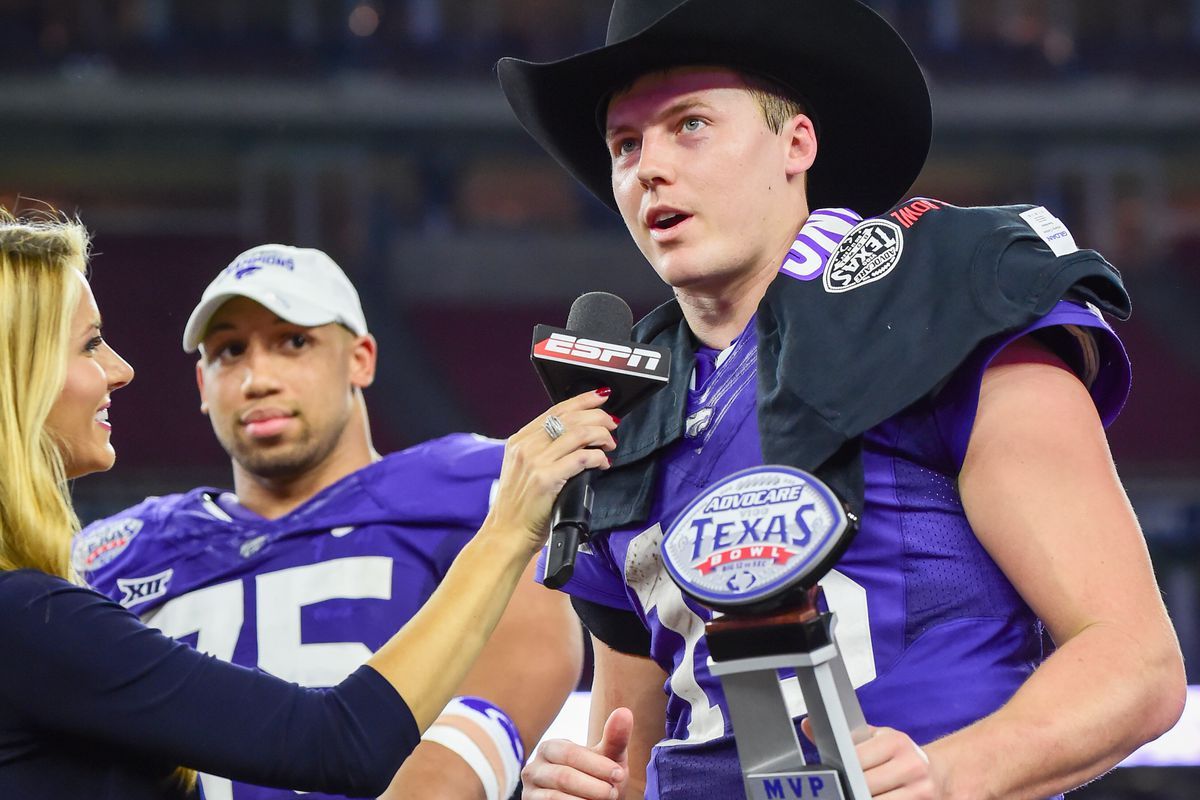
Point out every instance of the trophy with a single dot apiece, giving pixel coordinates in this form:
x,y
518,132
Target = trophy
x,y
752,548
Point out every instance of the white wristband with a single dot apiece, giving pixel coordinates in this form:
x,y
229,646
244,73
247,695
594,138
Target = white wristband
x,y
468,751
484,737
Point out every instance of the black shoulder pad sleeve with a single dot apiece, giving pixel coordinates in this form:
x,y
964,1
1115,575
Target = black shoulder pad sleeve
x,y
620,630
903,300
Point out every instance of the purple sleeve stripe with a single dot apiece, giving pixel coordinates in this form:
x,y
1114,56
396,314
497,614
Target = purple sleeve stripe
x,y
844,214
588,582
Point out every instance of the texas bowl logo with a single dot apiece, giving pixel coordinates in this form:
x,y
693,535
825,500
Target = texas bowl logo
x,y
754,535
867,254
97,546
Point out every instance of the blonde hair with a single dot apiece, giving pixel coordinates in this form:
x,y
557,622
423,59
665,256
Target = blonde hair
x,y
38,294
778,103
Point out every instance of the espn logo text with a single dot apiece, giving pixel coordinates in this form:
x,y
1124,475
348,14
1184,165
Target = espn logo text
x,y
564,347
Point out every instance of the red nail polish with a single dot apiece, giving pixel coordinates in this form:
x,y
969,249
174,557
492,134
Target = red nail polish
x,y
616,420
604,391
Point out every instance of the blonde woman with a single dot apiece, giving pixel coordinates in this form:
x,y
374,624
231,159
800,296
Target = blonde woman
x,y
93,703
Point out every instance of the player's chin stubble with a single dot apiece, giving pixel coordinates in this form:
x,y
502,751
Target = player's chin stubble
x,y
282,459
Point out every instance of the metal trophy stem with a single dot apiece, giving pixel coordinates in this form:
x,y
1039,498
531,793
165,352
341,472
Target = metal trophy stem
x,y
746,652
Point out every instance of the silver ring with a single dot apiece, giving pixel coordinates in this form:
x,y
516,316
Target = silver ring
x,y
554,427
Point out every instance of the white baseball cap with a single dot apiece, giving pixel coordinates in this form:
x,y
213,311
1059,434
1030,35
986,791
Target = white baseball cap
x,y
300,284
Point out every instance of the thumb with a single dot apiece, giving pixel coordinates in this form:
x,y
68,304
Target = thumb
x,y
615,739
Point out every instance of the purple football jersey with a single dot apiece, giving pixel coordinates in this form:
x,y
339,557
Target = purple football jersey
x,y
933,634
307,597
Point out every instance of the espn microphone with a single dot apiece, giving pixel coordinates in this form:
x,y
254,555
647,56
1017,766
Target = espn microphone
x,y
592,351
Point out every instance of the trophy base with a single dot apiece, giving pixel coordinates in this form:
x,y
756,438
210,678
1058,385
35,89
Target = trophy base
x,y
804,784
773,763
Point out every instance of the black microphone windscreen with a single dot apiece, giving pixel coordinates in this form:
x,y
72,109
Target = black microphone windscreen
x,y
600,315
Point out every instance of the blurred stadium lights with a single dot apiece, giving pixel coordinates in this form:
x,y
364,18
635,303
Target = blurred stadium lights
x,y
364,19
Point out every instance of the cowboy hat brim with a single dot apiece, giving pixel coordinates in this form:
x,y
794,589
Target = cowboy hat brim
x,y
860,79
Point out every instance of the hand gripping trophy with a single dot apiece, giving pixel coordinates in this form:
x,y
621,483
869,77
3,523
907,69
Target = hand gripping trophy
x,y
752,548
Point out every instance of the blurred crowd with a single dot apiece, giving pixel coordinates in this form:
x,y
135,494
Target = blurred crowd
x,y
1029,38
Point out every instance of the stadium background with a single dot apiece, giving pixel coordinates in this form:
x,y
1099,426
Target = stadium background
x,y
184,131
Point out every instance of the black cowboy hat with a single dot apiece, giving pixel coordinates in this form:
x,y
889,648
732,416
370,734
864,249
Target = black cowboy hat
x,y
865,89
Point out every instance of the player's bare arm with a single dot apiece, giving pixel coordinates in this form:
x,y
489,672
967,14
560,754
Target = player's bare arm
x,y
621,680
563,770
539,633
1041,492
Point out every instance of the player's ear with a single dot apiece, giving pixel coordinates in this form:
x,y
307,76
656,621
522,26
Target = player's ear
x,y
800,138
363,353
200,386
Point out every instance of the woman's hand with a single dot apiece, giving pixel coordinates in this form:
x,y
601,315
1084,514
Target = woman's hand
x,y
536,466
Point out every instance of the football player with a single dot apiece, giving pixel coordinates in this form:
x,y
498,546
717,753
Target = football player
x,y
324,548
946,370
